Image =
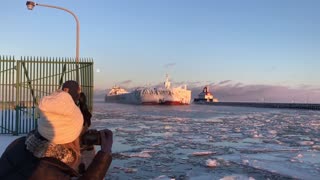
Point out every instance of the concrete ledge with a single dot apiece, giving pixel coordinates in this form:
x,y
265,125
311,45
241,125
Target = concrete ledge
x,y
265,105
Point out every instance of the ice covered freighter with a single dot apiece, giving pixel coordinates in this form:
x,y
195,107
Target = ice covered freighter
x,y
151,96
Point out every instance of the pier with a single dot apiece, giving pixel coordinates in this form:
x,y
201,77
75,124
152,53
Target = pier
x,y
265,105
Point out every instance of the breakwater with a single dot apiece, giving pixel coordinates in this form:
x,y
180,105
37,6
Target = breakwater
x,y
265,105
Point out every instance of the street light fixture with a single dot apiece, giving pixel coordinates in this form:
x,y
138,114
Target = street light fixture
x,y
30,5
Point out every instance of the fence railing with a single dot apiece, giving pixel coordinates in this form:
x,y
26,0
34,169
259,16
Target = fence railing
x,y
23,82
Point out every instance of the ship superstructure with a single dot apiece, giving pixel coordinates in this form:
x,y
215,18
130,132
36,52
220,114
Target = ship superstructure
x,y
205,96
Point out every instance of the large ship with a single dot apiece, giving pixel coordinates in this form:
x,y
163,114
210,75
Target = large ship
x,y
151,96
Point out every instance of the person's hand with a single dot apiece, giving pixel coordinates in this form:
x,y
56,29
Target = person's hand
x,y
83,101
82,98
106,140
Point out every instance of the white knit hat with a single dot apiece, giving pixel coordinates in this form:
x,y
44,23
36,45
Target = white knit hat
x,y
61,120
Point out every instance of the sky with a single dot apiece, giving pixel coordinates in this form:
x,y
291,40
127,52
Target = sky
x,y
246,50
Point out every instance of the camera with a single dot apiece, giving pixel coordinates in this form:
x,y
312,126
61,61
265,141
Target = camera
x,y
91,137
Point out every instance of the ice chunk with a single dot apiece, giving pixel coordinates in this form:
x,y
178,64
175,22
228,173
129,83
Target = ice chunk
x,y
148,151
306,143
126,170
237,177
316,147
245,161
163,177
203,153
139,155
212,163
299,156
272,131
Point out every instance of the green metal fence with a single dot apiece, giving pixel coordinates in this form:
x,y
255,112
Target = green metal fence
x,y
23,82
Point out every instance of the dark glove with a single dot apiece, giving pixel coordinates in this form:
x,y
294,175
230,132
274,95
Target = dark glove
x,y
86,117
84,110
82,98
106,140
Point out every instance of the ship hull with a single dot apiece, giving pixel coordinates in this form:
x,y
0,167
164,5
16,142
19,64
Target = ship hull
x,y
171,103
122,98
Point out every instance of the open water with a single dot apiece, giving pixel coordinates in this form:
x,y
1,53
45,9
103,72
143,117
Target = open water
x,y
210,142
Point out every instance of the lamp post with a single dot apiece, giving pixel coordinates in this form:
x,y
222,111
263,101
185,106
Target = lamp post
x,y
31,5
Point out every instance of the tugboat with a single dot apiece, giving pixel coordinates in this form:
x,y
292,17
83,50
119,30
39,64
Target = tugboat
x,y
205,96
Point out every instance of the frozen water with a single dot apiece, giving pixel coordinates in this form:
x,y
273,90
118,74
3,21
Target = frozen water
x,y
211,142
199,142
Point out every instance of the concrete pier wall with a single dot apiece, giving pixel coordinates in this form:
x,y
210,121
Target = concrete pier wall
x,y
265,105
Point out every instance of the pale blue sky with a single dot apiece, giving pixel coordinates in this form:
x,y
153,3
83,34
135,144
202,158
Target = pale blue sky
x,y
272,42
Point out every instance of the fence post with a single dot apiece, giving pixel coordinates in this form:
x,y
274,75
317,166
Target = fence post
x,y
16,132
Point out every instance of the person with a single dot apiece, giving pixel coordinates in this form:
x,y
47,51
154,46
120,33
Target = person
x,y
87,151
52,151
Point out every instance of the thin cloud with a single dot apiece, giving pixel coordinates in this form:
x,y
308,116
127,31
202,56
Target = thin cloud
x,y
224,82
169,65
126,82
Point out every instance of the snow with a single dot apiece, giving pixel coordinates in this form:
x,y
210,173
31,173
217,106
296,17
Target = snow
x,y
5,140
